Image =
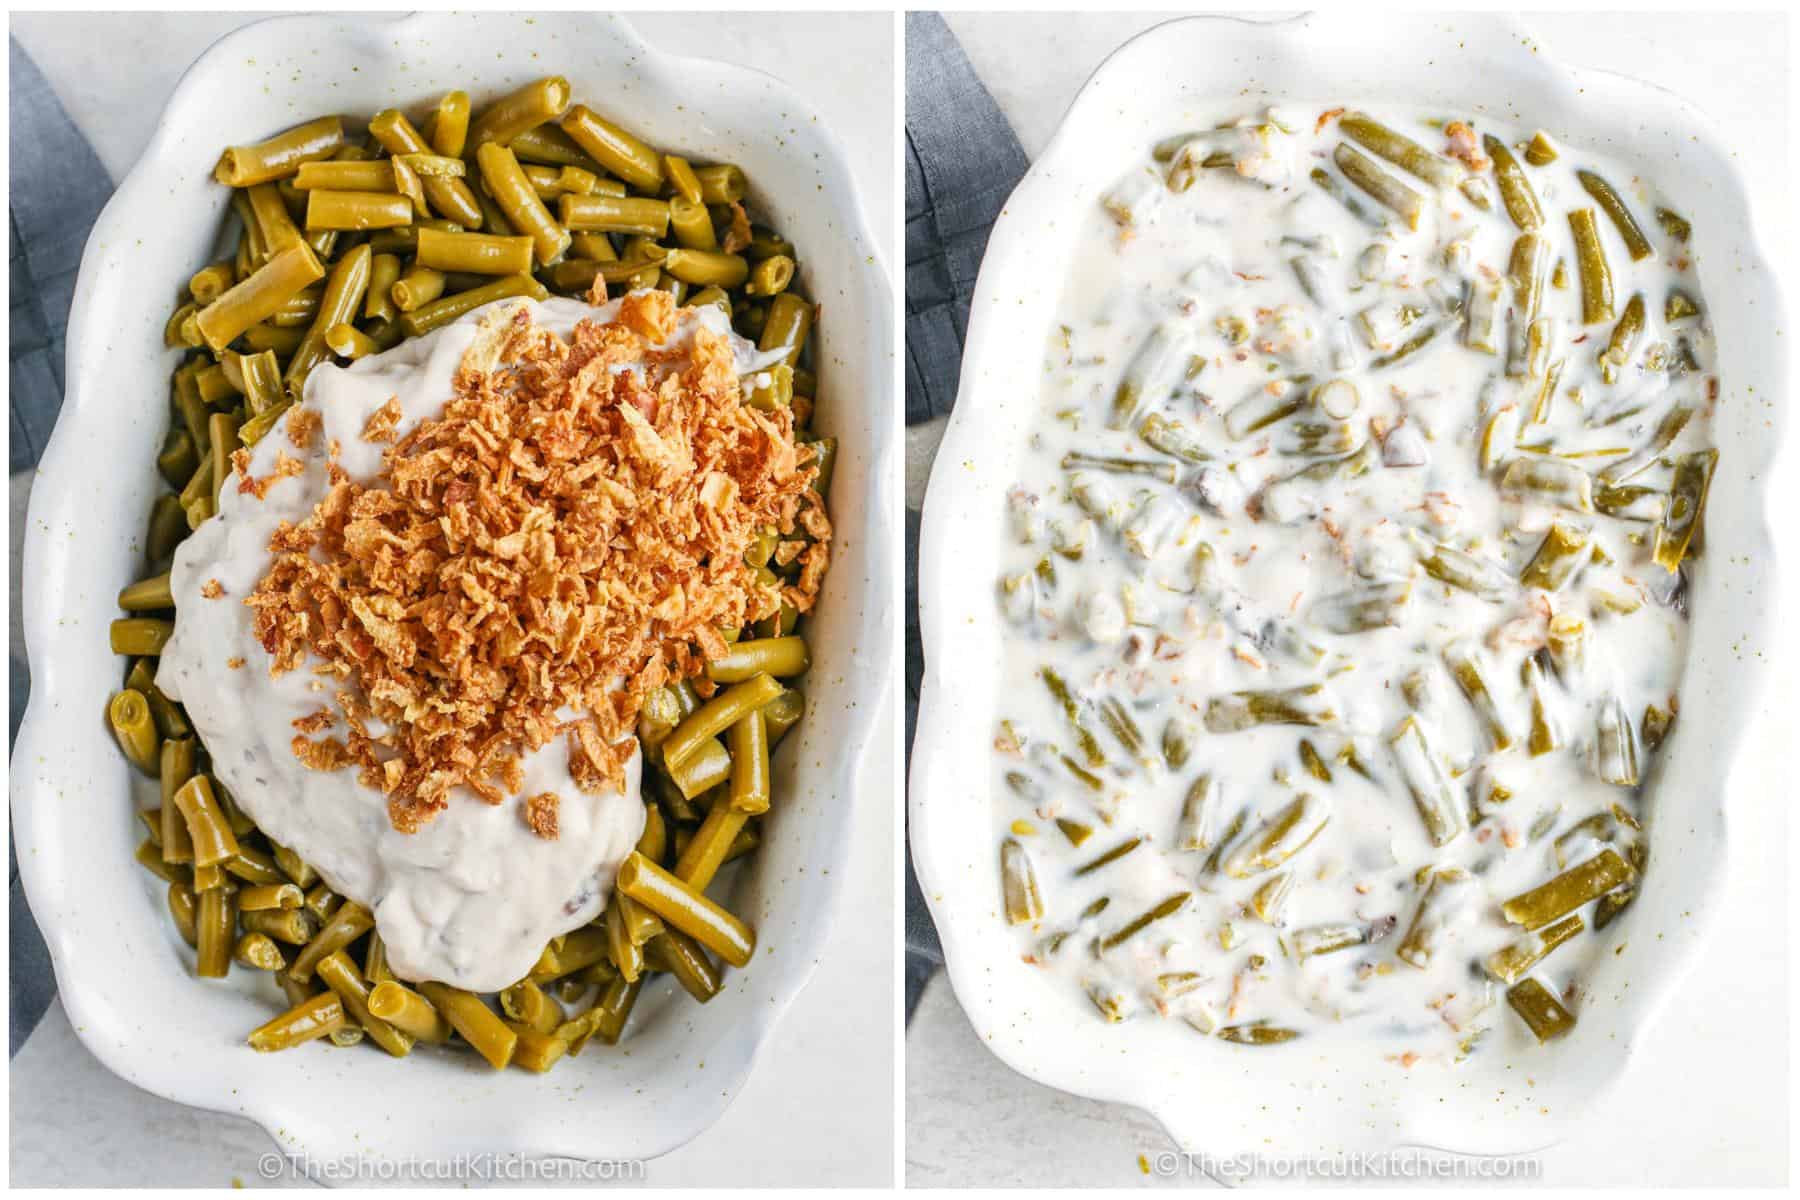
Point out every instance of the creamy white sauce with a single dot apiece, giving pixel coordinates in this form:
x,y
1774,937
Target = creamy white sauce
x,y
1104,582
472,897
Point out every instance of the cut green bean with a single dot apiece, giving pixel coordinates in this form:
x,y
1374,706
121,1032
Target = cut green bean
x,y
790,318
1401,150
356,211
260,296
341,976
1406,349
615,149
1568,891
317,1017
1158,367
280,156
1143,921
1279,838
474,253
208,832
1309,704
470,1016
342,298
717,715
450,198
1613,205
687,960
1466,668
1328,183
1539,1008
1549,481
1386,189
782,657
537,103
1545,734
1326,939
1615,744
748,744
1018,884
686,909
1478,576
1110,857
349,922
424,319
215,924
1264,407
1610,906
1620,347
1591,264
408,1012
1363,608
1199,815
1510,963
1563,549
614,1009
707,268
1428,782
128,713
1258,1034
1448,897
1516,193
1065,700
1687,504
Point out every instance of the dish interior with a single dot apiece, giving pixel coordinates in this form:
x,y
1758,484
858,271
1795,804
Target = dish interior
x,y
1148,91
129,992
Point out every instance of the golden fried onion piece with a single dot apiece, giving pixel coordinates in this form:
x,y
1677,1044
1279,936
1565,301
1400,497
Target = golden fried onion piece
x,y
564,539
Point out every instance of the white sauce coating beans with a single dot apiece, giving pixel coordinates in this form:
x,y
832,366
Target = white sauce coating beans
x,y
1318,425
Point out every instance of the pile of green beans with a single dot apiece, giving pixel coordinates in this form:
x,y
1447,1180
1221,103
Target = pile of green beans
x,y
346,245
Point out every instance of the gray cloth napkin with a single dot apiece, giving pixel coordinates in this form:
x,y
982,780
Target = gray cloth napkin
x,y
58,188
962,161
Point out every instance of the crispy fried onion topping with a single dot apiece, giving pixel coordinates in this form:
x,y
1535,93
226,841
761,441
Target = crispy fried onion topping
x,y
567,537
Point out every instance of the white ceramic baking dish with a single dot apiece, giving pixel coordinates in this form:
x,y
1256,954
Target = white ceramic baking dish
x,y
121,972
1212,1096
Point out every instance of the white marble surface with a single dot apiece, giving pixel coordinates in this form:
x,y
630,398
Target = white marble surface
x,y
1707,1101
819,1107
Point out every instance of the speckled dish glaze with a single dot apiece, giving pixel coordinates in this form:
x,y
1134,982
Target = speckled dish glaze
x,y
121,970
1213,1096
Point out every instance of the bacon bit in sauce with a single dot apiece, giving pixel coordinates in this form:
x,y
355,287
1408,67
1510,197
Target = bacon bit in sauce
x,y
1462,145
1439,508
212,589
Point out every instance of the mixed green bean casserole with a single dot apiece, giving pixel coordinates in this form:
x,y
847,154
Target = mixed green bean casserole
x,y
1345,584
476,605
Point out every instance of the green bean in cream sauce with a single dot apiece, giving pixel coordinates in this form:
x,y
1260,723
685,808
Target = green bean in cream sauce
x,y
1345,583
